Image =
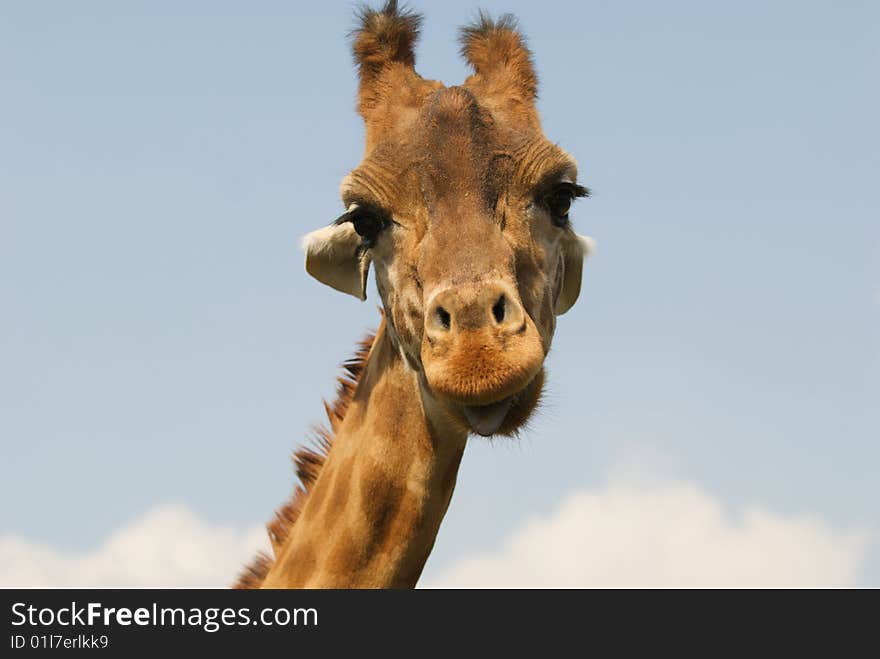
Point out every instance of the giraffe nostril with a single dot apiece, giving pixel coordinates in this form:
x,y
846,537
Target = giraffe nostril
x,y
444,318
498,309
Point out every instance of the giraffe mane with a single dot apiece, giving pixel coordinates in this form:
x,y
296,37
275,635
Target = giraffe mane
x,y
307,463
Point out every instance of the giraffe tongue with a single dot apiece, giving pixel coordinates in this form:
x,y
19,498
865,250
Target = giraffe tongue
x,y
486,419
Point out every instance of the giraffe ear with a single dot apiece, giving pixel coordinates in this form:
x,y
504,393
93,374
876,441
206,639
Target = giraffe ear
x,y
334,257
575,249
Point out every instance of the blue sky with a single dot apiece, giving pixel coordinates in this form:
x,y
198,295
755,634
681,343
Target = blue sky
x,y
161,344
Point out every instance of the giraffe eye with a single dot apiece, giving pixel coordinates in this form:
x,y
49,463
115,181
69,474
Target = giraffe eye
x,y
558,201
368,223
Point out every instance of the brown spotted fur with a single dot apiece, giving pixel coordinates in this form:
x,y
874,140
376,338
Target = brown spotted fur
x,y
307,465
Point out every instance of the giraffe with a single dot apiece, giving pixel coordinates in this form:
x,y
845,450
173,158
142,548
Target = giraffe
x,y
461,205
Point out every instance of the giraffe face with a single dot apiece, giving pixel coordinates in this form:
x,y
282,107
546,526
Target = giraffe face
x,y
461,206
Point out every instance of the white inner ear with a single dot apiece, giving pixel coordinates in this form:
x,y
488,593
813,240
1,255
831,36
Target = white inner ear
x,y
330,240
588,245
333,258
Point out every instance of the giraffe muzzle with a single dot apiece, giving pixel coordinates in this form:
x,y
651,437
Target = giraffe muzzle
x,y
480,348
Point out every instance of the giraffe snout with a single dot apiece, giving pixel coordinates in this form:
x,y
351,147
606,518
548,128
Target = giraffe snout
x,y
494,306
479,346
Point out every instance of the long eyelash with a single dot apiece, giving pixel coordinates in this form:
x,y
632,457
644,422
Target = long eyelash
x,y
575,190
580,191
363,207
342,219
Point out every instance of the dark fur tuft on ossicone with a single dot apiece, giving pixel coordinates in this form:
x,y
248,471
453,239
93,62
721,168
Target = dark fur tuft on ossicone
x,y
494,47
384,36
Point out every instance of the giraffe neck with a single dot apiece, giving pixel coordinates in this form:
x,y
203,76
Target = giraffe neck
x,y
374,511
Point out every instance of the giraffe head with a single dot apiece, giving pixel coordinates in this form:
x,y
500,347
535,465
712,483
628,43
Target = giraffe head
x,y
461,205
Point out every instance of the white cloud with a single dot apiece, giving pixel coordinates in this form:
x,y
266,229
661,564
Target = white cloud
x,y
168,546
638,530
670,534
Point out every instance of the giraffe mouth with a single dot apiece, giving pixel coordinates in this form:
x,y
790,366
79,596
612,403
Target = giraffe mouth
x,y
505,416
485,420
